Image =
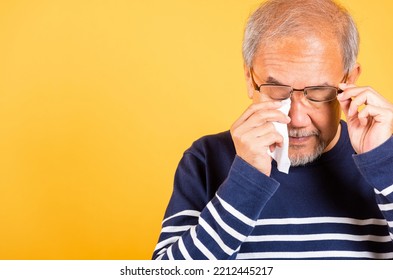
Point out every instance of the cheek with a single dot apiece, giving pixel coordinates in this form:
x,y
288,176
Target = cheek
x,y
326,120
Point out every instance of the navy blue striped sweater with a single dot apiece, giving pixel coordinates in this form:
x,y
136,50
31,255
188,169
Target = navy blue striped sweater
x,y
339,206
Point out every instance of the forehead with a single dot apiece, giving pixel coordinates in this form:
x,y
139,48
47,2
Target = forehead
x,y
293,59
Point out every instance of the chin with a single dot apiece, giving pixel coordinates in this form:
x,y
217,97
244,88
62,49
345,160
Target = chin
x,y
300,155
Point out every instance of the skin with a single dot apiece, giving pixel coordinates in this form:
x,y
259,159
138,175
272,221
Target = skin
x,y
371,126
311,61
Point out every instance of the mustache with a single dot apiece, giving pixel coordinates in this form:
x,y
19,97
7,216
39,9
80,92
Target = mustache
x,y
293,132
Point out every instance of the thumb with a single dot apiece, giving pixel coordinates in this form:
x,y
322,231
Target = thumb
x,y
344,100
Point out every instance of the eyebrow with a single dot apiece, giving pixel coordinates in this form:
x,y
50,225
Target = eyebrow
x,y
271,80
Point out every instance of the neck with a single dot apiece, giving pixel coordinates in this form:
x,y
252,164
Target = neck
x,y
334,140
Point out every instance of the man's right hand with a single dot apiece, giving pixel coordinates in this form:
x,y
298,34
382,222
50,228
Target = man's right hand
x,y
254,133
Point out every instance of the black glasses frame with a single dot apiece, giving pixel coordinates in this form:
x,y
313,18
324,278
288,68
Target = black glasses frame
x,y
304,90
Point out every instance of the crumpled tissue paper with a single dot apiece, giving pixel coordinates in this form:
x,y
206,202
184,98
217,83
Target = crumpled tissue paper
x,y
280,154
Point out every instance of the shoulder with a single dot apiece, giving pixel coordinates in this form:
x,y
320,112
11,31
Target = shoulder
x,y
206,164
219,144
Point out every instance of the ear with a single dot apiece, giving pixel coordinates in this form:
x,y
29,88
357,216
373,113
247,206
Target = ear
x,y
354,74
250,86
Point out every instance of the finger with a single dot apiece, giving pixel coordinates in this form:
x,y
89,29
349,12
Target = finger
x,y
262,136
344,100
255,107
349,91
344,104
376,114
260,131
363,98
259,118
266,141
373,97
245,137
262,116
255,122
343,87
368,98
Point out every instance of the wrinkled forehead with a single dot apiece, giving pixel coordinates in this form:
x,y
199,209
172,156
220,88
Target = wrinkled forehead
x,y
300,44
293,59
317,36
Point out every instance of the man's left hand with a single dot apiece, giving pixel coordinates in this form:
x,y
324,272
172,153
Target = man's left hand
x,y
371,125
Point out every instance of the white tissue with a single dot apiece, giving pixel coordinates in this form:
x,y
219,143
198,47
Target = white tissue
x,y
280,154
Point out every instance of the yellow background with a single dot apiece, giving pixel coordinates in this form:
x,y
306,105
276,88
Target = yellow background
x,y
98,101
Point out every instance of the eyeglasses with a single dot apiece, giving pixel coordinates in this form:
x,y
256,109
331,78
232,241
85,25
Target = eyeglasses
x,y
312,93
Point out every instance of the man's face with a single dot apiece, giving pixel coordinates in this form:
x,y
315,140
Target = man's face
x,y
302,62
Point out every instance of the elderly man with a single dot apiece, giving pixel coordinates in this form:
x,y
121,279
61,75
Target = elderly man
x,y
230,201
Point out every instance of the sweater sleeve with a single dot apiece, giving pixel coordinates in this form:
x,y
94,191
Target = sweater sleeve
x,y
197,228
377,168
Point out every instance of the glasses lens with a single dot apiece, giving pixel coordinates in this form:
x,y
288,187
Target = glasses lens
x,y
276,92
321,94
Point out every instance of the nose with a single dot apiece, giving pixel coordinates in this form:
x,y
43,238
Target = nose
x,y
299,110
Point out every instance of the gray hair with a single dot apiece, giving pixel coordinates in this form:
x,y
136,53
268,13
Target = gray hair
x,y
277,19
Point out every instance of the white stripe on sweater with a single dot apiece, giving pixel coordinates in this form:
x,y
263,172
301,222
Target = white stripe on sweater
x,y
200,245
386,207
215,236
167,241
162,251
169,253
192,213
385,191
183,250
317,237
319,220
176,228
314,254
235,212
224,225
